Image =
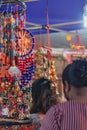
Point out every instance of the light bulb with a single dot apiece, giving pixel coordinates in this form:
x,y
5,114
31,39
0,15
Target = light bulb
x,y
85,16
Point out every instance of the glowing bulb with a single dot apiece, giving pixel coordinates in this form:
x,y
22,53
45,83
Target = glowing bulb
x,y
68,37
85,16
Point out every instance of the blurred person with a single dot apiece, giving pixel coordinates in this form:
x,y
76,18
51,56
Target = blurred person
x,y
43,97
70,115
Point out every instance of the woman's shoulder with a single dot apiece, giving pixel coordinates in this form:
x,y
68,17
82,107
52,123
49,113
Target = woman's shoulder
x,y
66,105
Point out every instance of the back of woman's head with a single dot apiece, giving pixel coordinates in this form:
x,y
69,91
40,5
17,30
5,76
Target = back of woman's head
x,y
43,95
76,73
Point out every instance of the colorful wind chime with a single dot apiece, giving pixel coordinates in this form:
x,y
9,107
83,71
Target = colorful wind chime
x,y
16,59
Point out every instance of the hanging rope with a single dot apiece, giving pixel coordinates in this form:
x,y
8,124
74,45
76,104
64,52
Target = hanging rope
x,y
49,47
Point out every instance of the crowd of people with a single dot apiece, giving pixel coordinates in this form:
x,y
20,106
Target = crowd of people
x,y
49,113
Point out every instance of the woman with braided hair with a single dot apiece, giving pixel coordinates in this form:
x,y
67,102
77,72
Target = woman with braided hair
x,y
43,97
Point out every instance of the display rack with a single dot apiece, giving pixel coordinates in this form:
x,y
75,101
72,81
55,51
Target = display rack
x,y
9,122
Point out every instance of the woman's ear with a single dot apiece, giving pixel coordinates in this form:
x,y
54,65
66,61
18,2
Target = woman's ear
x,y
67,89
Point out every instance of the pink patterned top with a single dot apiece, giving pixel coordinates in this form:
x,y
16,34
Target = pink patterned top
x,y
71,115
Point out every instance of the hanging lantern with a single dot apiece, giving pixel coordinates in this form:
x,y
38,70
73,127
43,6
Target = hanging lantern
x,y
68,37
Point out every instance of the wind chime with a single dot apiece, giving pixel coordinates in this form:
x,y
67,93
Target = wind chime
x,y
16,58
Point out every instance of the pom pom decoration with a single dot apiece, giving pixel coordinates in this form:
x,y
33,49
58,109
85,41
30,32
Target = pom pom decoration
x,y
27,70
14,71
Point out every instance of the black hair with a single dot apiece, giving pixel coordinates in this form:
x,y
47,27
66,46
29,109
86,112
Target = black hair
x,y
43,95
76,73
65,74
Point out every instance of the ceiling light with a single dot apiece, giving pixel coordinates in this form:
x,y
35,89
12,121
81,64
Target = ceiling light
x,y
85,16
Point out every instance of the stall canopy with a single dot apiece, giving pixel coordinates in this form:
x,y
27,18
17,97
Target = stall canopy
x,y
59,16
63,15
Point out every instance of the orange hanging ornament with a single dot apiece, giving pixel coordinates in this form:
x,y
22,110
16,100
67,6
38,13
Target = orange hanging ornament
x,y
68,37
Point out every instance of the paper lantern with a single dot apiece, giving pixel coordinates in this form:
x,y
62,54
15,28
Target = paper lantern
x,y
68,37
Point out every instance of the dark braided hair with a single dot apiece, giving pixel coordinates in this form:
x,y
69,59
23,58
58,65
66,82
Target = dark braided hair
x,y
43,95
76,73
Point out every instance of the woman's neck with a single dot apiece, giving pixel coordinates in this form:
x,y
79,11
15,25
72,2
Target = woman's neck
x,y
79,94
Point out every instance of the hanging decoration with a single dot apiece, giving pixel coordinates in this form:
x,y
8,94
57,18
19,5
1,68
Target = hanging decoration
x,y
44,63
16,61
51,69
25,42
26,65
77,44
68,37
77,49
41,63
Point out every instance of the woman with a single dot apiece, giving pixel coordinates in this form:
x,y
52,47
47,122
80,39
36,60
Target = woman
x,y
43,97
71,115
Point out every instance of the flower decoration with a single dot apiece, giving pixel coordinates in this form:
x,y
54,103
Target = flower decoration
x,y
25,42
